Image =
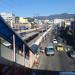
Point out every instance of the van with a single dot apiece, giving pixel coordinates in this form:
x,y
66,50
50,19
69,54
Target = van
x,y
49,50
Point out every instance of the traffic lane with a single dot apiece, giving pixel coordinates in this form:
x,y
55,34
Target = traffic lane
x,y
45,42
59,62
67,64
49,63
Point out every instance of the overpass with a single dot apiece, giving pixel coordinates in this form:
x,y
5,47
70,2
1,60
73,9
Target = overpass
x,y
19,53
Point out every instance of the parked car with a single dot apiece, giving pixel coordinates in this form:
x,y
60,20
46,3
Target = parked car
x,y
67,49
71,53
42,50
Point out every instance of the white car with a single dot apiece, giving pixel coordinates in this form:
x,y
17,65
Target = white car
x,y
55,41
67,49
72,54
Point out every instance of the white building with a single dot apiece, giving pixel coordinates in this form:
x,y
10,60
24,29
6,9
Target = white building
x,y
9,18
38,23
58,21
67,22
46,21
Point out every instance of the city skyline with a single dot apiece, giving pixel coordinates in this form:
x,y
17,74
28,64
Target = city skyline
x,y
30,8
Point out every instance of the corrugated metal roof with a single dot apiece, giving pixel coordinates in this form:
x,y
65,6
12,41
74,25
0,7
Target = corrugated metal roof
x,y
7,33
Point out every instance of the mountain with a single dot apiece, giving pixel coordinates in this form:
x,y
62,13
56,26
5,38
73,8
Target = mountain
x,y
60,16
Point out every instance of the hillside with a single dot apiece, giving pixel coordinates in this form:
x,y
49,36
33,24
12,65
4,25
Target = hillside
x,y
60,16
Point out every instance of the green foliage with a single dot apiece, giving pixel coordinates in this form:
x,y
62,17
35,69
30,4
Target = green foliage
x,y
30,19
17,17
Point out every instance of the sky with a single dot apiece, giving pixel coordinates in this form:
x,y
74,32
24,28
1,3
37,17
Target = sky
x,y
30,8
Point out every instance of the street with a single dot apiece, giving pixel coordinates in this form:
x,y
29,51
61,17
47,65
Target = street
x,y
59,62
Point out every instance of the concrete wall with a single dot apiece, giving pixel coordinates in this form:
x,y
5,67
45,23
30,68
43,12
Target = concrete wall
x,y
8,54
31,59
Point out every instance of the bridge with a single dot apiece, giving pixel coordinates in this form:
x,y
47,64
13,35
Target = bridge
x,y
19,53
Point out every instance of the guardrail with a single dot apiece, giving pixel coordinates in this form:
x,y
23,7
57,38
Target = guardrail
x,y
30,30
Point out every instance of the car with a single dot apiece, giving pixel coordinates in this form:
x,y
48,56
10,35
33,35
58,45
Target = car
x,y
49,50
67,49
60,47
71,53
55,41
42,50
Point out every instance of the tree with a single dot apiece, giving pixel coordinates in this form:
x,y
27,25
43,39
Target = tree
x,y
17,17
30,19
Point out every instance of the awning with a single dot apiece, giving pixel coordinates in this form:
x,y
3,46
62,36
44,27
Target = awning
x,y
6,43
34,48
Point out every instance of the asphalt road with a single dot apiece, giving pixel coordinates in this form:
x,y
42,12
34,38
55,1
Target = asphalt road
x,y
59,62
